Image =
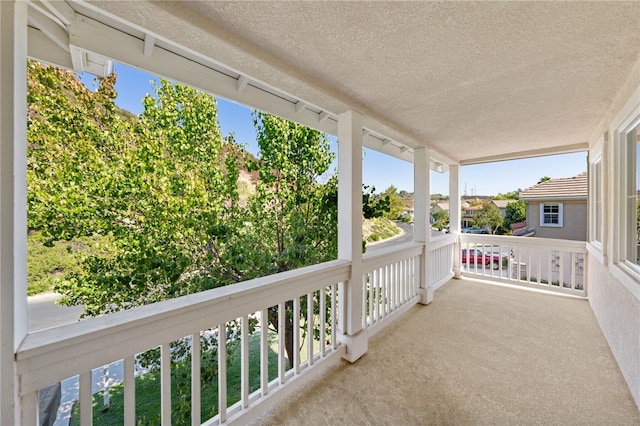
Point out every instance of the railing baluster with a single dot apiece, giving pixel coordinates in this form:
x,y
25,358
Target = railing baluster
x,y
376,291
334,320
416,274
195,379
387,278
244,358
281,343
366,302
222,372
539,266
165,383
386,290
562,256
550,268
296,335
129,390
405,279
86,401
572,269
323,322
310,329
369,295
396,287
264,352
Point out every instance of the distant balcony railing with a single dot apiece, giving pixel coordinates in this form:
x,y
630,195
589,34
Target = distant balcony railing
x,y
541,263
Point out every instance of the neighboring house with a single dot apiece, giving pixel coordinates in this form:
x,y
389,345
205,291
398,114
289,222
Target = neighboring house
x,y
557,208
469,213
437,206
502,205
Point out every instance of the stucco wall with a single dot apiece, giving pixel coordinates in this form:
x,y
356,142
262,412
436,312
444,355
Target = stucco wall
x,y
574,221
618,313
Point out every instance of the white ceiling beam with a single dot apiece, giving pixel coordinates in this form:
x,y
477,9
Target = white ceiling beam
x,y
243,80
300,106
60,9
49,27
43,10
529,154
77,58
371,120
385,142
42,48
149,44
94,36
403,149
323,116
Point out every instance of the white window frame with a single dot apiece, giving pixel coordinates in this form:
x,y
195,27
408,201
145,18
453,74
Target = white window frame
x,y
623,166
560,213
597,222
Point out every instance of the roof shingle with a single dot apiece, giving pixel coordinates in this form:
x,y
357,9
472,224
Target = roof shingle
x,y
575,187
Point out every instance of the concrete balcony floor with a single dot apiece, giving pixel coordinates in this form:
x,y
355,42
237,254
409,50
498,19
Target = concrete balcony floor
x,y
479,354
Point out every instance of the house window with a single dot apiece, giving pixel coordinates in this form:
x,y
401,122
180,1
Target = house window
x,y
551,214
633,225
626,172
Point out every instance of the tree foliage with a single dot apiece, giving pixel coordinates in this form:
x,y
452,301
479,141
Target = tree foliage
x,y
489,217
513,195
162,195
164,188
515,212
441,218
395,202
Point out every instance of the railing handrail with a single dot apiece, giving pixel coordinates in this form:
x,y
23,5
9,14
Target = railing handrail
x,y
382,257
442,241
580,246
48,356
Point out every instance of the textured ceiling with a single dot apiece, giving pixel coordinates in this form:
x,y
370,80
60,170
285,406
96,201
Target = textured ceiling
x,y
472,80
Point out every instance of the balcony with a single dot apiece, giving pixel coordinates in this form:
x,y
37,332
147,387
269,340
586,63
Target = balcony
x,y
479,353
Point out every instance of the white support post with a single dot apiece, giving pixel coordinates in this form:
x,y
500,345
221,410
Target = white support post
x,y
350,231
421,216
13,203
454,214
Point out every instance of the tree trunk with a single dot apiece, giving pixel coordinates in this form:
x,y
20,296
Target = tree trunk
x,y
288,329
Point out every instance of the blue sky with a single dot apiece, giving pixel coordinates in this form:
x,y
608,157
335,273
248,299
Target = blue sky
x,y
484,179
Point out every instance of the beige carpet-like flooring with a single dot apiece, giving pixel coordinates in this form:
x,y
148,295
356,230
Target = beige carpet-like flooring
x,y
480,354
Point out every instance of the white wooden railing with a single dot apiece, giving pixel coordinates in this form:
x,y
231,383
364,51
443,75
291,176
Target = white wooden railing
x,y
53,355
390,283
541,263
238,315
440,269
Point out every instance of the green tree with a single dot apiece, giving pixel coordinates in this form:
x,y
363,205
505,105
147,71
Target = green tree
x,y
396,203
489,217
544,179
167,194
513,195
441,218
293,214
72,135
515,212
